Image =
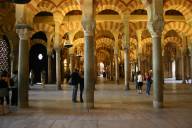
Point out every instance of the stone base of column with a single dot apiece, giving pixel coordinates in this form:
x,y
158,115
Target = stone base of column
x,y
89,106
117,82
23,105
127,87
59,87
183,82
157,104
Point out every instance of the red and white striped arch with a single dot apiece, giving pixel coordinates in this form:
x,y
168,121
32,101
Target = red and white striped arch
x,y
183,6
175,40
115,5
69,6
109,26
180,27
46,28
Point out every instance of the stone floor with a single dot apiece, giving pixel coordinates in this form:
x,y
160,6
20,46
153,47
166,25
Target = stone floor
x,y
114,108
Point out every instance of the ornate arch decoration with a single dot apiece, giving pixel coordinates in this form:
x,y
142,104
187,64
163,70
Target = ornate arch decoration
x,y
46,28
183,6
104,42
66,7
115,5
137,26
78,42
181,27
109,26
134,5
70,27
78,34
175,40
38,41
46,5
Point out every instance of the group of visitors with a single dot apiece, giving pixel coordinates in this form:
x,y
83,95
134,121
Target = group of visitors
x,y
139,80
75,79
11,84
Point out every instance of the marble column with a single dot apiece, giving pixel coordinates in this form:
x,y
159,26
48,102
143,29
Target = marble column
x,y
58,68
190,63
183,66
12,62
111,69
157,73
126,52
23,67
116,66
139,49
126,68
190,59
58,19
71,63
89,61
155,26
49,68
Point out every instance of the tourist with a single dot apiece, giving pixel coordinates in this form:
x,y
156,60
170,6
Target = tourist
x,y
74,82
140,82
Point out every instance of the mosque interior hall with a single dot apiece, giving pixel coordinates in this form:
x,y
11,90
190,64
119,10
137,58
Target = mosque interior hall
x,y
114,46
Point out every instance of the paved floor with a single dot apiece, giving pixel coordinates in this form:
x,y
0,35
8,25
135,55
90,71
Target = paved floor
x,y
114,108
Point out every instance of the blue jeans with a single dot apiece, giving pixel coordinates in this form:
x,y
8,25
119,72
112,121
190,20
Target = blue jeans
x,y
74,94
148,84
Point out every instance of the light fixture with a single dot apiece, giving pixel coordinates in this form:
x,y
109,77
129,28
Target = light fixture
x,y
67,44
79,54
40,56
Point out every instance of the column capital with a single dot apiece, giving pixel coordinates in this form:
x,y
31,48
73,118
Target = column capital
x,y
58,17
88,26
23,30
156,27
57,48
125,46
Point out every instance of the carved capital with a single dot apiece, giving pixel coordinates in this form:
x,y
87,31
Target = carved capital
x,y
88,26
156,27
58,17
146,2
57,49
23,31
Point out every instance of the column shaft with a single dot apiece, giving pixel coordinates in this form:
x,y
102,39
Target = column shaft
x,y
116,69
157,73
89,60
58,68
23,71
49,69
126,68
183,67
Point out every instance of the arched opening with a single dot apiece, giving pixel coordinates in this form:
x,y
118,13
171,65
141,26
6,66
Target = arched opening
x,y
43,14
38,61
173,69
40,35
4,54
173,12
139,12
74,12
108,12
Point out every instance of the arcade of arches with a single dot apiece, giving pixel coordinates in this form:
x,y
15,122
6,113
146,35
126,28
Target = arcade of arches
x,y
123,36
